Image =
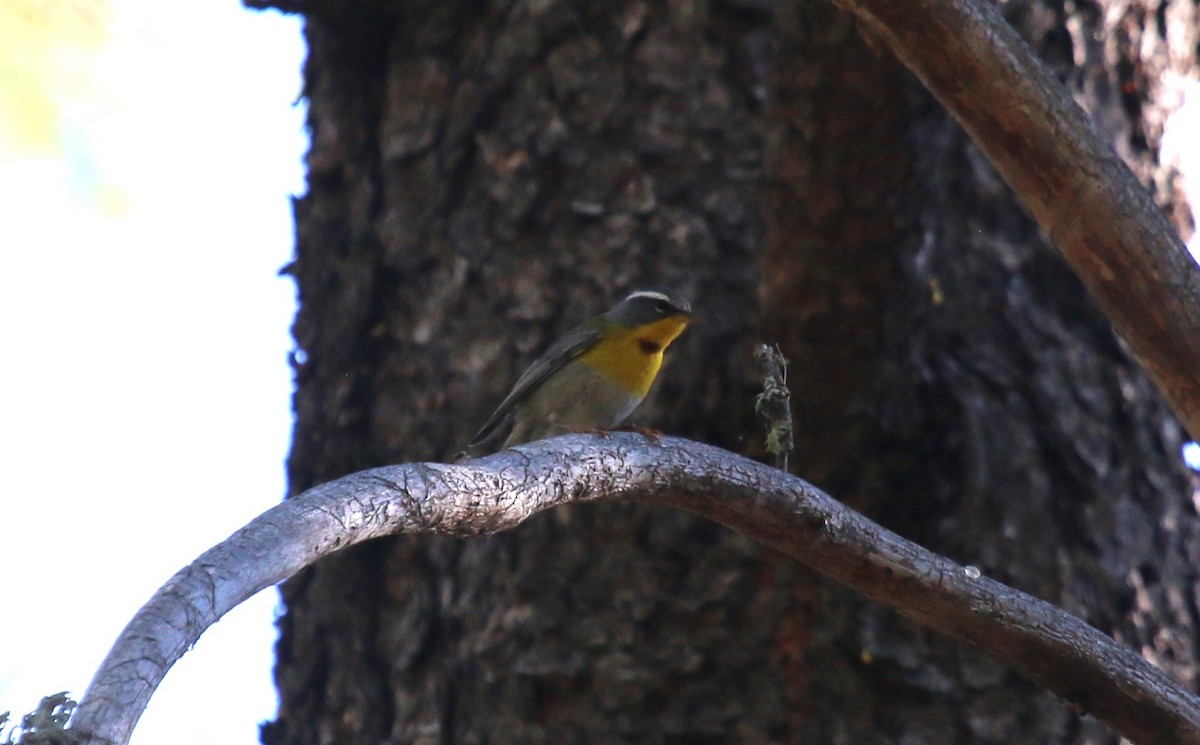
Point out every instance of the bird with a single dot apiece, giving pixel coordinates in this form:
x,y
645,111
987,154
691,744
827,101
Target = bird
x,y
596,374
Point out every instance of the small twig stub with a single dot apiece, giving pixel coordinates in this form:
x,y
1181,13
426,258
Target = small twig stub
x,y
774,404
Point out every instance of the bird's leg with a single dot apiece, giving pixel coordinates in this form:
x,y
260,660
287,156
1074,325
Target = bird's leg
x,y
653,435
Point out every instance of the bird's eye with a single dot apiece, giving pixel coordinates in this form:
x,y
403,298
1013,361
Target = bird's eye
x,y
662,306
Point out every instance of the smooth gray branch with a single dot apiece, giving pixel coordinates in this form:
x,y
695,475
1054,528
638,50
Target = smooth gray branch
x,y
1080,664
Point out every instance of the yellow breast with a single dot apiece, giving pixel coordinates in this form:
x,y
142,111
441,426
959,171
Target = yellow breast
x,y
632,357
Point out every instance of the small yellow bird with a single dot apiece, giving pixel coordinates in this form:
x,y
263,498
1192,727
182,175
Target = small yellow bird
x,y
596,374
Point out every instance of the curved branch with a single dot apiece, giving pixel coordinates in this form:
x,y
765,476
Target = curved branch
x,y
497,493
1102,220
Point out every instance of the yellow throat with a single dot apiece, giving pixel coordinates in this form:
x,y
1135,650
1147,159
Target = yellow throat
x,y
632,356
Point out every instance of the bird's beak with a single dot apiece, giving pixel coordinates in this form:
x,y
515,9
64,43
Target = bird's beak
x,y
689,317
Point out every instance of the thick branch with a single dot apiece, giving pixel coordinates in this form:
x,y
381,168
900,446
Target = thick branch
x,y
1102,220
1069,657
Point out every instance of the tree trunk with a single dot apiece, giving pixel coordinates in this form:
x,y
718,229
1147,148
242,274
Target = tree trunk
x,y
483,176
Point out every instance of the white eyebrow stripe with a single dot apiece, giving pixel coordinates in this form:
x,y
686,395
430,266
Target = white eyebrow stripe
x,y
650,294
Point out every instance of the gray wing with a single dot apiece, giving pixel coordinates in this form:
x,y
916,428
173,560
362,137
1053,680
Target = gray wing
x,y
574,343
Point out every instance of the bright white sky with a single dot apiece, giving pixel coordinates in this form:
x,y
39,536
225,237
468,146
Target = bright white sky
x,y
147,152
148,149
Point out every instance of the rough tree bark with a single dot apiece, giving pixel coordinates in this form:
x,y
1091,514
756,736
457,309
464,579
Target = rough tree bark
x,y
1031,444
484,175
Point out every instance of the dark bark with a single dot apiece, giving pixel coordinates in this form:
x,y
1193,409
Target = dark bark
x,y
483,176
1026,440
1101,219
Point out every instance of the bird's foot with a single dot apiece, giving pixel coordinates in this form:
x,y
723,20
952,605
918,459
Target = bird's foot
x,y
653,435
